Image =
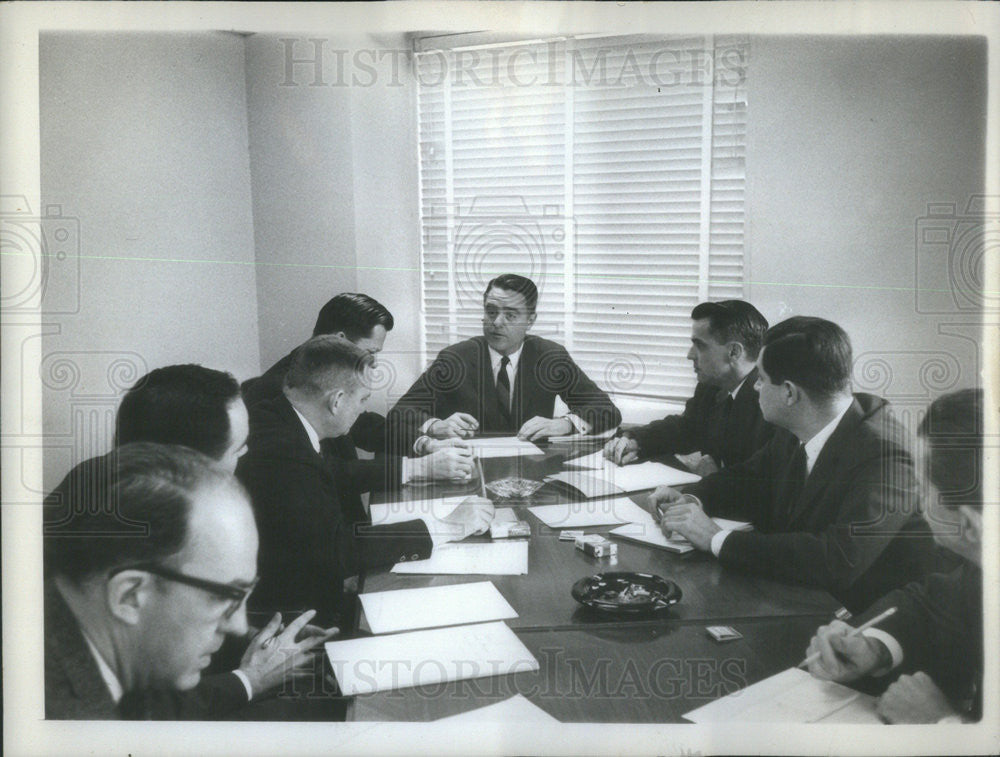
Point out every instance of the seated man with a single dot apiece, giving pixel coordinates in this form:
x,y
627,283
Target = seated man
x,y
722,420
504,381
308,543
936,634
366,322
831,496
150,553
202,409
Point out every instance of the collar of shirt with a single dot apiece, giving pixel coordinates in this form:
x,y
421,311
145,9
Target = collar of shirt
x,y
514,357
815,445
107,674
739,386
313,436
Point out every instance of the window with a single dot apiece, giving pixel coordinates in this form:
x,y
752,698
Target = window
x,y
610,170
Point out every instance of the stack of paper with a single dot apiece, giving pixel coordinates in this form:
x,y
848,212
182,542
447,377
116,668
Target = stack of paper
x,y
397,512
595,512
406,609
499,558
792,696
417,658
502,446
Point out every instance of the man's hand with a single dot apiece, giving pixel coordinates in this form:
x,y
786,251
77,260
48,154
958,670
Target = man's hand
x,y
274,656
450,463
461,425
542,428
845,658
433,445
622,451
914,699
473,515
662,498
690,521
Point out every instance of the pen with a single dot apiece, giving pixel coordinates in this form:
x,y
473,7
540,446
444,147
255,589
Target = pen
x,y
482,478
877,619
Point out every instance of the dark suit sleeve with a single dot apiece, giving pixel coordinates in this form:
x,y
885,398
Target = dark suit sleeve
x,y
368,433
874,500
673,434
557,372
215,698
740,492
422,401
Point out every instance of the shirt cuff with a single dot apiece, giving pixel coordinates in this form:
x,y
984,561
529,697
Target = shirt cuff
x,y
718,539
418,445
895,651
427,424
406,471
581,426
246,683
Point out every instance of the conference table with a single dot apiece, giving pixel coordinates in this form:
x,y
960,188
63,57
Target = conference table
x,y
598,667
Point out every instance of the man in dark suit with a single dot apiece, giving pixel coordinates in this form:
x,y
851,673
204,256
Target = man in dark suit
x,y
150,553
366,322
935,638
722,420
831,496
309,543
505,381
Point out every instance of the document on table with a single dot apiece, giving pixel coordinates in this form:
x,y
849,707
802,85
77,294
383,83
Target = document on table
x,y
646,530
406,609
416,658
502,446
792,696
499,558
397,512
517,710
588,483
593,461
583,437
622,478
593,512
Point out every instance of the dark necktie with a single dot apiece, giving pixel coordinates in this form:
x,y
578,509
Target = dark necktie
x,y
796,482
503,386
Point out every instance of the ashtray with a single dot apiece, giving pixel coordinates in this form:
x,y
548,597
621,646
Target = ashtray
x,y
514,488
626,593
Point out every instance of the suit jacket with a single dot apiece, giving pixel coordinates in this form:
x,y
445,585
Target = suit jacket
x,y
309,541
75,690
854,528
939,625
705,426
461,380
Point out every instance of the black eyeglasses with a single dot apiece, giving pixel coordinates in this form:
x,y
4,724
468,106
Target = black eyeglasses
x,y
236,595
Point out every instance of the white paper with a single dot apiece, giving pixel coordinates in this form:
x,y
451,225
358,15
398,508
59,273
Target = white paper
x,y
588,483
499,558
504,515
593,461
406,609
640,476
792,696
583,437
502,446
398,661
397,512
646,529
516,711
594,512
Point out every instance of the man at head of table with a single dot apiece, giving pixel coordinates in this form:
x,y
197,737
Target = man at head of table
x,y
935,637
505,381
722,420
832,495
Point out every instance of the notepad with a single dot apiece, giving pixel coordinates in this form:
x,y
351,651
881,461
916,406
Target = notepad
x,y
517,710
594,512
646,530
502,446
417,658
499,558
792,696
634,478
397,512
587,483
407,609
582,437
593,461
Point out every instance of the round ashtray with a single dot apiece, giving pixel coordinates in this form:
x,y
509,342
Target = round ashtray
x,y
626,593
514,488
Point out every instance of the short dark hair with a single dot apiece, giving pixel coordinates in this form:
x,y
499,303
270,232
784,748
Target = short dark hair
x,y
127,507
812,353
734,321
514,283
953,430
354,314
326,362
179,404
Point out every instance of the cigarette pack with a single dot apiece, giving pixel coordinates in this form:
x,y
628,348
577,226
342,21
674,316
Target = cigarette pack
x,y
595,545
569,535
510,529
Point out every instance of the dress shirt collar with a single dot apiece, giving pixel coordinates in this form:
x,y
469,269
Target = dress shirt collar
x,y
514,357
107,674
815,445
313,436
739,386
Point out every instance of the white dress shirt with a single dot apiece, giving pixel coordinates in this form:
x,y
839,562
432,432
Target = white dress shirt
x,y
107,674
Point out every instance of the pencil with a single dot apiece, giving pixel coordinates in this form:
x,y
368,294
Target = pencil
x,y
864,626
482,478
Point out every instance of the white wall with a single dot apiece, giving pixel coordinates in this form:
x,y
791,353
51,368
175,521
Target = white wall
x,y
144,141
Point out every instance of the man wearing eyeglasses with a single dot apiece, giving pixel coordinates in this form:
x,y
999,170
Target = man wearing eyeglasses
x,y
505,381
150,555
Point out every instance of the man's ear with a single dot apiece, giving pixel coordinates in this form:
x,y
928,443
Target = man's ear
x,y
971,524
735,352
127,593
790,392
531,319
333,400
